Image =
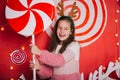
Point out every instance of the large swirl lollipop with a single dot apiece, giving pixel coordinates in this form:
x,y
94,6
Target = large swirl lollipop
x,y
29,17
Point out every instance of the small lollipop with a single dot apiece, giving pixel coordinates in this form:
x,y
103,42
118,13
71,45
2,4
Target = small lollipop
x,y
29,17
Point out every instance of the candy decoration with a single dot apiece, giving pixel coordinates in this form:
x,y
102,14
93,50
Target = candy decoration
x,y
18,57
29,17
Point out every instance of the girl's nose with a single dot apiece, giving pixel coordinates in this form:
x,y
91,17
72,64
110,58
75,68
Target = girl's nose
x,y
62,30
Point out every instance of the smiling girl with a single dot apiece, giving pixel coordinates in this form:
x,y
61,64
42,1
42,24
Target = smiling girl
x,y
61,60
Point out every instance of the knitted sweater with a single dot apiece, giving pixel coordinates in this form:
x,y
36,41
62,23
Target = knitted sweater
x,y
63,66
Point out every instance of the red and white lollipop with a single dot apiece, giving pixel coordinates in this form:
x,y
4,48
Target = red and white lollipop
x,y
29,17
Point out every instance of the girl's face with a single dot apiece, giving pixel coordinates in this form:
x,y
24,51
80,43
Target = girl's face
x,y
63,30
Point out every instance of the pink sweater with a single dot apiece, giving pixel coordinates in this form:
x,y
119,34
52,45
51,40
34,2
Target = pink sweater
x,y
63,66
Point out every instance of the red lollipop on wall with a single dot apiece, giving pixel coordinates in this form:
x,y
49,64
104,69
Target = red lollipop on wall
x,y
29,17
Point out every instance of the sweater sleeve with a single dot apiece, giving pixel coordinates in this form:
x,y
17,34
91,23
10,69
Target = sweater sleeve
x,y
51,59
56,59
45,71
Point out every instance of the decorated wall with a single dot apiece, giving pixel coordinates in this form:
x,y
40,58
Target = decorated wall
x,y
97,29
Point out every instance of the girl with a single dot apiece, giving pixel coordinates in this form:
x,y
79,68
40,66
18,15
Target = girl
x,y
61,60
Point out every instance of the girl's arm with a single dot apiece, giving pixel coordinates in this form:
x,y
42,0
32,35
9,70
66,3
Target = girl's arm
x,y
45,71
52,59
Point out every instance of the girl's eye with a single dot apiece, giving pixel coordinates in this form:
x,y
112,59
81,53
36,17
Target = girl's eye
x,y
63,28
66,28
59,28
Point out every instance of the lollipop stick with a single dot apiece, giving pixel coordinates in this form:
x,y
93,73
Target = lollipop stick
x,y
33,57
33,39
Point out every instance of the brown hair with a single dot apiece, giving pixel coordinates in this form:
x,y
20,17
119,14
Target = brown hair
x,y
54,39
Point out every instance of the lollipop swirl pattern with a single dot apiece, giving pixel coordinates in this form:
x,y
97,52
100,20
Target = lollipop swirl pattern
x,y
18,57
92,20
29,17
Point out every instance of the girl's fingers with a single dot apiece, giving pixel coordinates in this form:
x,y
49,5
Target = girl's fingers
x,y
30,45
31,64
36,65
30,61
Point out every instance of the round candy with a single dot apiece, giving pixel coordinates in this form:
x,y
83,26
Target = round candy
x,y
28,17
18,57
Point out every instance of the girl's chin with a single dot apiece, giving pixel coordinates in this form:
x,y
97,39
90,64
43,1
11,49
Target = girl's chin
x,y
61,39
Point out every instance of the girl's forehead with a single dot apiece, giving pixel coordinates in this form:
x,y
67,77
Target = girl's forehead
x,y
64,22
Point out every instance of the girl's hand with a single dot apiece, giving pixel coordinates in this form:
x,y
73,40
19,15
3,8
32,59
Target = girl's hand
x,y
36,65
35,50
